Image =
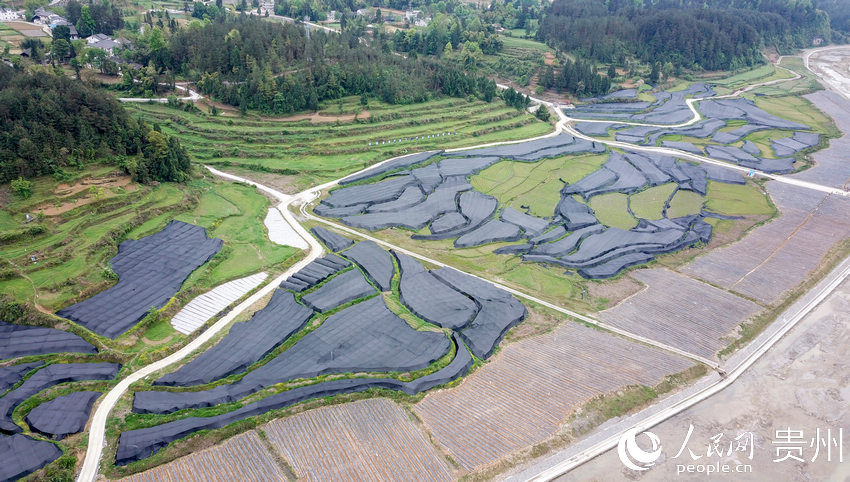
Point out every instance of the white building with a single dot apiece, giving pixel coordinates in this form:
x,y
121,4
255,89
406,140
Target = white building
x,y
7,14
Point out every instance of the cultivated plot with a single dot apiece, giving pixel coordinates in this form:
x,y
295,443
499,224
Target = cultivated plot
x,y
150,271
243,457
524,395
681,312
365,440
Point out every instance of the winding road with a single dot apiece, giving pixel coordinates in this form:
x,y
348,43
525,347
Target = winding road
x,y
97,427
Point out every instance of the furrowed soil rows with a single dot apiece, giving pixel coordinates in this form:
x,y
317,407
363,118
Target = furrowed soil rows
x,y
525,393
365,440
778,256
680,312
242,457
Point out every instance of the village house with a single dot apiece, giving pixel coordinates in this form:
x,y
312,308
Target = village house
x,y
7,14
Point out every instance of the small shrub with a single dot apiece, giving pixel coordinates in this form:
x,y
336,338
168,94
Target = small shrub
x,y
22,187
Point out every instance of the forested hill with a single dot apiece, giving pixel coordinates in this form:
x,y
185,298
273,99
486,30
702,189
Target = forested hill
x,y
700,34
49,122
272,67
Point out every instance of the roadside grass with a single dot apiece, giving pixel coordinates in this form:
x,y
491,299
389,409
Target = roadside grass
x,y
612,209
649,203
536,184
325,151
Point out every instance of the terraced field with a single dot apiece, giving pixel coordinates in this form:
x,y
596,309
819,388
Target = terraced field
x,y
366,440
243,457
525,393
320,152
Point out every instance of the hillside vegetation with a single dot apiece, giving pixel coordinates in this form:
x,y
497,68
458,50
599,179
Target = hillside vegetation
x,y
51,122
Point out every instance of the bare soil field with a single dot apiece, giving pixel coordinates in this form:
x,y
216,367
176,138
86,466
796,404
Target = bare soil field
x,y
801,384
680,312
366,440
101,185
243,457
525,393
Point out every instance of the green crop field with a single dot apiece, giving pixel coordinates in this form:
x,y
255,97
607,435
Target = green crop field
x,y
649,204
737,200
685,203
535,184
612,209
800,110
764,73
324,151
807,83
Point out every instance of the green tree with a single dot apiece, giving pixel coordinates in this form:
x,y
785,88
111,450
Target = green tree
x,y
22,187
655,74
86,25
60,49
63,32
612,72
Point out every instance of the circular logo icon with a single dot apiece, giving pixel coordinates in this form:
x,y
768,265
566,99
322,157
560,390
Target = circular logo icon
x,y
635,457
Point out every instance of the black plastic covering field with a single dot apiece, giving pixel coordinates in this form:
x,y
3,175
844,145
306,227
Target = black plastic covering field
x,y
340,290
375,262
365,337
47,377
246,343
671,108
21,455
142,443
314,273
11,375
19,340
150,271
63,415
571,237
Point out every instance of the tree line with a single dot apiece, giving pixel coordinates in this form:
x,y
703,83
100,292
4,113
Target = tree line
x,y
272,67
698,34
49,122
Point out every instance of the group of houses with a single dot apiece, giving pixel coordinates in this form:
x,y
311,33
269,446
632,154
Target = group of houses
x,y
100,41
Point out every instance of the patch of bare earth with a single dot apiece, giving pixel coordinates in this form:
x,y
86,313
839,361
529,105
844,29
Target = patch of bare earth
x,y
103,189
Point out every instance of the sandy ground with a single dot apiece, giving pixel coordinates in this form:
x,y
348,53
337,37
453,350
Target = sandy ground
x,y
833,66
803,383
